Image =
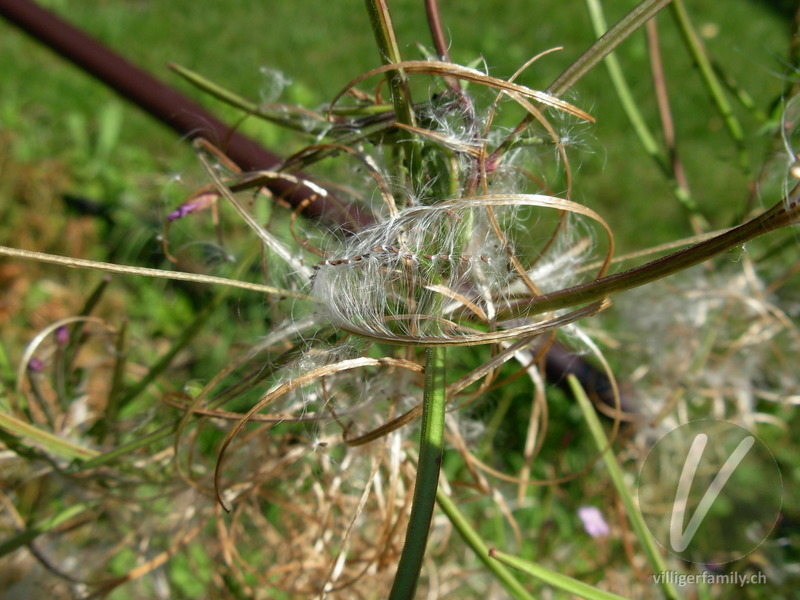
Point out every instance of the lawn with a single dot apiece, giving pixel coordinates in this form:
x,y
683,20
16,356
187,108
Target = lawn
x,y
118,475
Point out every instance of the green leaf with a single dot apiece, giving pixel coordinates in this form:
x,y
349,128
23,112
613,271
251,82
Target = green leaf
x,y
34,531
614,471
557,580
35,437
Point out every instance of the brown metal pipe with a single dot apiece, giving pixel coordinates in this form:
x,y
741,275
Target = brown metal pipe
x,y
165,104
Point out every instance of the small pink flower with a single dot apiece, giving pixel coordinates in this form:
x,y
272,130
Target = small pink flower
x,y
62,335
593,521
36,365
197,203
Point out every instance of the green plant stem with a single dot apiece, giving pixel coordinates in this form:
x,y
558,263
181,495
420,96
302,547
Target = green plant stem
x,y
557,580
186,337
594,54
786,212
382,27
614,471
605,45
623,90
54,444
181,424
118,379
629,105
474,540
44,526
75,339
715,88
427,482
304,122
126,449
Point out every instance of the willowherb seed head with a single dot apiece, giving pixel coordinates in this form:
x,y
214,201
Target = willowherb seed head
x,y
393,278
433,272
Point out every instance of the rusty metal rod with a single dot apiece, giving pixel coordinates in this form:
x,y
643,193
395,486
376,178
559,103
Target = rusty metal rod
x,y
166,104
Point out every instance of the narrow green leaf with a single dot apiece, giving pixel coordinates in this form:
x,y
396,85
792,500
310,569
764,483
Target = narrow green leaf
x,y
304,123
614,471
623,90
606,44
557,580
34,531
710,79
55,445
480,548
631,108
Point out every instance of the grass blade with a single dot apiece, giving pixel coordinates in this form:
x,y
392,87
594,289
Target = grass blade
x,y
614,471
629,105
34,531
53,444
477,544
606,44
557,580
710,79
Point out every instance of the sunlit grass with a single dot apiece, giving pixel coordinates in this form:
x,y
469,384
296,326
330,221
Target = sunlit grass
x,y
289,481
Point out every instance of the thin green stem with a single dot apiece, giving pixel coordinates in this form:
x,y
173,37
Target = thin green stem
x,y
557,580
103,426
593,55
634,516
407,150
629,105
126,449
474,540
383,29
715,88
605,45
427,482
49,524
181,424
302,121
52,443
161,365
623,91
786,212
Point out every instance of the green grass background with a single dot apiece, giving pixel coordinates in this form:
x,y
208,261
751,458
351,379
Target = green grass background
x,y
108,151
322,47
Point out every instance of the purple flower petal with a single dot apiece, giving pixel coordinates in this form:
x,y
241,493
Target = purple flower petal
x,y
62,335
36,365
593,521
197,203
